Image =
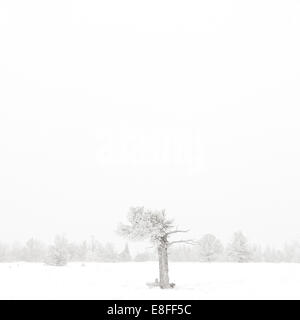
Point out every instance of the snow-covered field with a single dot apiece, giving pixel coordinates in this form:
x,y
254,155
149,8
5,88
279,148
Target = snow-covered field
x,y
128,281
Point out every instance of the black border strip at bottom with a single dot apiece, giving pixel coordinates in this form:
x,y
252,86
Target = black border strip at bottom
x,y
134,309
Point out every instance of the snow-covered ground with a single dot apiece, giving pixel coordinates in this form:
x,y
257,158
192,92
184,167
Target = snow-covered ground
x,y
128,281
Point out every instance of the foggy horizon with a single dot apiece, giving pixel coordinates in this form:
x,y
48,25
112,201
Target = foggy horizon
x,y
194,110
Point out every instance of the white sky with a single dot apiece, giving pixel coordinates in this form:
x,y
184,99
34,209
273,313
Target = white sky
x,y
191,106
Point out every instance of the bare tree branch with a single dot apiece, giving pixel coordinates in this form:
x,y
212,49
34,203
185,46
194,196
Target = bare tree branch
x,y
189,241
177,231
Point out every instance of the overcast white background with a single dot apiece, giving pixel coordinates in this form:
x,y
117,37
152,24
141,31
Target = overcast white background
x,y
191,106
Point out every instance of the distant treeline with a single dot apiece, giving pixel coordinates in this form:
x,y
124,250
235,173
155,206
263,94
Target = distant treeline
x,y
207,249
63,251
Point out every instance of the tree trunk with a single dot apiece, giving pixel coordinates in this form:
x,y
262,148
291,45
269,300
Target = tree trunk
x,y
164,281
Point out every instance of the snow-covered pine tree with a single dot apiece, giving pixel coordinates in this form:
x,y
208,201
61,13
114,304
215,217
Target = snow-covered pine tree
x,y
238,250
210,248
125,255
58,254
152,225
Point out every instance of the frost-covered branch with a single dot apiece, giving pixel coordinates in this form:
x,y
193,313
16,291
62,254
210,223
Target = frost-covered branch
x,y
177,231
190,241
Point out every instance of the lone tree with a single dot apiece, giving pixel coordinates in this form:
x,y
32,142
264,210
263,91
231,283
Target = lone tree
x,y
153,225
